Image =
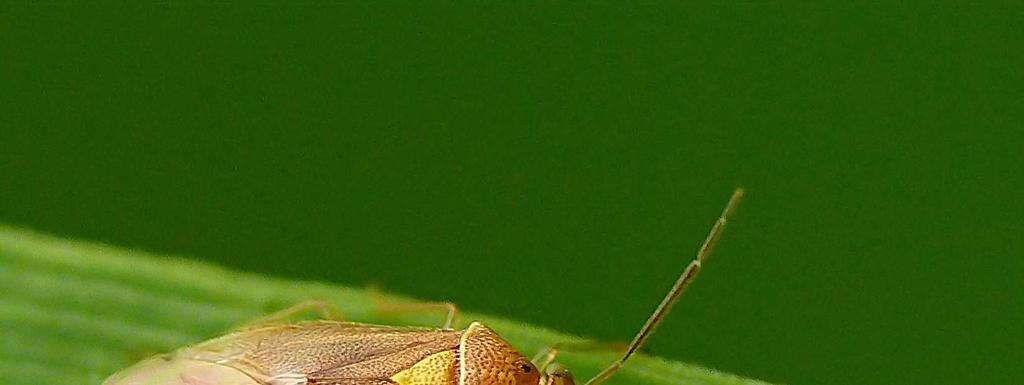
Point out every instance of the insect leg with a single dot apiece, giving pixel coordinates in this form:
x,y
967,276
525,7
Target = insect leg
x,y
326,310
547,355
448,307
677,289
385,305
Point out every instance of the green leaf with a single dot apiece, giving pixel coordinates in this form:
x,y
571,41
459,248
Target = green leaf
x,y
74,312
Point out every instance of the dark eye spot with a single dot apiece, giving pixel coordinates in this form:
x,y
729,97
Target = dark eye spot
x,y
526,368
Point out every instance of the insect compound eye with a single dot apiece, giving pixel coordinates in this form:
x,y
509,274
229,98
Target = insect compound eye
x,y
524,372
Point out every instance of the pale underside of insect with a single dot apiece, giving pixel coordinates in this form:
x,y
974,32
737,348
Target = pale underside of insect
x,y
328,352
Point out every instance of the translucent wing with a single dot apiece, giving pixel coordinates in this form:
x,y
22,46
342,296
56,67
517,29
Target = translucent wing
x,y
317,352
166,370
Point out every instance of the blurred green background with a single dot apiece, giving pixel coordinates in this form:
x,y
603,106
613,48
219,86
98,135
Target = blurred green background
x,y
559,164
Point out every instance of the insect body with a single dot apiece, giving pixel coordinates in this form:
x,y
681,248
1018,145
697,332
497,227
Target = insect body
x,y
328,352
341,353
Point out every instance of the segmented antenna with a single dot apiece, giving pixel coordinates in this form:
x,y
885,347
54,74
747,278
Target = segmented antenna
x,y
677,289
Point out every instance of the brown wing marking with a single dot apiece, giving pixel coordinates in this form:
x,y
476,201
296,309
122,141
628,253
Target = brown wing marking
x,y
325,350
390,362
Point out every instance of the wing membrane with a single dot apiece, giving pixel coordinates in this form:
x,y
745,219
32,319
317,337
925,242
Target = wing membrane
x,y
325,350
170,371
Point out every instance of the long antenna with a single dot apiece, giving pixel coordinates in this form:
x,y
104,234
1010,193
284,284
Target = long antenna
x,y
677,289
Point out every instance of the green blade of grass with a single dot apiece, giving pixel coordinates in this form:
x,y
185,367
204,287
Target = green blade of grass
x,y
75,312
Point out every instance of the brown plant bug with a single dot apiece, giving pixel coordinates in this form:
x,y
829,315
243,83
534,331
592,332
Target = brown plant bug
x,y
330,352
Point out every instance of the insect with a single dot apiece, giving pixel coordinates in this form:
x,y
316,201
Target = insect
x,y
327,352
